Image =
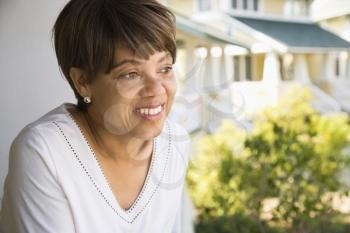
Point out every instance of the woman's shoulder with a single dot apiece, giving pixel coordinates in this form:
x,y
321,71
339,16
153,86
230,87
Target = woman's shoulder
x,y
58,114
33,149
37,132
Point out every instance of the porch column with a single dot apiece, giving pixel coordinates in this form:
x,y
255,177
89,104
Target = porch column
x,y
328,67
271,72
199,69
192,67
242,70
271,78
216,57
348,67
301,71
229,68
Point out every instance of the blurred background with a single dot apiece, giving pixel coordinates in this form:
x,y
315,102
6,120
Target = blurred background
x,y
264,91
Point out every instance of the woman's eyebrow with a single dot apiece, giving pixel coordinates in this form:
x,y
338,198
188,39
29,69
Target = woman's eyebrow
x,y
137,62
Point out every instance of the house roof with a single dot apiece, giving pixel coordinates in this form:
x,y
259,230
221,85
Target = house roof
x,y
296,34
203,31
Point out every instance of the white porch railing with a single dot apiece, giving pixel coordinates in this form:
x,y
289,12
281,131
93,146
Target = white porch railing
x,y
339,89
224,107
187,111
321,101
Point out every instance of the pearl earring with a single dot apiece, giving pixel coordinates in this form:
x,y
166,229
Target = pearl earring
x,y
87,99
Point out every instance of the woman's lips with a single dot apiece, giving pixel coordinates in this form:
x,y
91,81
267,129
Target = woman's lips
x,y
153,112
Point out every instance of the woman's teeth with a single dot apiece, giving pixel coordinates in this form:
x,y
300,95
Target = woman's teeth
x,y
150,111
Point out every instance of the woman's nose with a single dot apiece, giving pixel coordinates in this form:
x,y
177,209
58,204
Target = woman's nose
x,y
152,86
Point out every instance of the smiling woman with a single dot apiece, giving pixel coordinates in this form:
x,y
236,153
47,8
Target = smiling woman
x,y
113,162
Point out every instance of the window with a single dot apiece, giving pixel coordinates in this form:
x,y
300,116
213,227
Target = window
x,y
248,67
287,66
246,5
297,7
236,68
204,5
341,67
234,4
337,67
255,5
242,68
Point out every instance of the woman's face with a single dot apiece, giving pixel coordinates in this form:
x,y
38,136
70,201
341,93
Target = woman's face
x,y
136,96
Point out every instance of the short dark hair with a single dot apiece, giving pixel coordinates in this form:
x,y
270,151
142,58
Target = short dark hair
x,y
86,33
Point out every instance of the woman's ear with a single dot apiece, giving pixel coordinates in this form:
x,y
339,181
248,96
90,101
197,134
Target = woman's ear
x,y
80,81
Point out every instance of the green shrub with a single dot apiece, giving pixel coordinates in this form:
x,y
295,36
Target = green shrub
x,y
281,177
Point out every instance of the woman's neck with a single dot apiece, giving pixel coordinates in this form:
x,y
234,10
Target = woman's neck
x,y
120,148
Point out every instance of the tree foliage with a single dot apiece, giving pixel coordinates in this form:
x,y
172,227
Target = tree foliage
x,y
281,177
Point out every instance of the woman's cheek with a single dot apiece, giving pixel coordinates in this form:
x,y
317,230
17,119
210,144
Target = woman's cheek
x,y
126,90
171,91
172,86
118,116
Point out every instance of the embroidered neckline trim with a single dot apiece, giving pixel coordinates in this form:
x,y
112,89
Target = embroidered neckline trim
x,y
101,170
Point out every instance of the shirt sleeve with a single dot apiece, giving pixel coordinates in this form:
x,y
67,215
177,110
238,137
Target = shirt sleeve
x,y
33,200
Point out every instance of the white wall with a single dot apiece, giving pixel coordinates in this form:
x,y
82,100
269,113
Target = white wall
x,y
31,83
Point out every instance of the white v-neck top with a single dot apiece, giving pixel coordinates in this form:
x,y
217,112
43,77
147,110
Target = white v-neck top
x,y
55,184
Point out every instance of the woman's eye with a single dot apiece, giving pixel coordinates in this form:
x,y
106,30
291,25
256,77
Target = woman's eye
x,y
131,75
166,70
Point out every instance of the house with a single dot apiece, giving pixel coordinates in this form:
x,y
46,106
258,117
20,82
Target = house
x,y
203,53
336,18
275,45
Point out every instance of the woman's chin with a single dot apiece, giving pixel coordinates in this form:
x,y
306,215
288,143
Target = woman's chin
x,y
148,132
